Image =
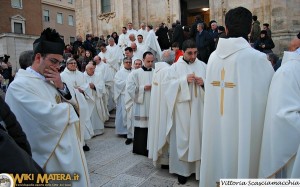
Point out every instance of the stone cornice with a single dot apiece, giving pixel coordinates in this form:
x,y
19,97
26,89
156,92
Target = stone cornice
x,y
58,5
13,35
106,16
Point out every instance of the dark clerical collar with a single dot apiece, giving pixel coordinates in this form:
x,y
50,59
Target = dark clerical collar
x,y
146,69
187,61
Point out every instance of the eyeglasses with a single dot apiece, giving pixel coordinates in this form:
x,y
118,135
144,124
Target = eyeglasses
x,y
128,62
73,63
192,53
54,60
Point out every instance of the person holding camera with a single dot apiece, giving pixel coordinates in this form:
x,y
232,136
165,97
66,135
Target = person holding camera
x,y
6,72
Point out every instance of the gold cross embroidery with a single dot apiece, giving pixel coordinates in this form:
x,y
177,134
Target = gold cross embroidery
x,y
223,85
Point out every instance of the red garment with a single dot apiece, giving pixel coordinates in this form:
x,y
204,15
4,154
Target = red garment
x,y
178,54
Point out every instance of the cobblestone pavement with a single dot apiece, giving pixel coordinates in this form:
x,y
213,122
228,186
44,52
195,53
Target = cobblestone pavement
x,y
111,163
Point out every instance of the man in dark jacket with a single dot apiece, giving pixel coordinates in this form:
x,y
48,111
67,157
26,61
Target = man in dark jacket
x,y
203,41
76,44
178,34
162,37
193,31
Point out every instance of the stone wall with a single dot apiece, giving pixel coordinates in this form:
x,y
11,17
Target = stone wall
x,y
89,18
14,45
283,17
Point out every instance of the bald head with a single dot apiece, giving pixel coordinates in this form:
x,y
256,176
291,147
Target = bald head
x,y
132,37
295,44
97,59
133,46
90,69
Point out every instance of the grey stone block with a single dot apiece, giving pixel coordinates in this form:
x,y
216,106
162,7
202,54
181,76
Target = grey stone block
x,y
157,182
124,180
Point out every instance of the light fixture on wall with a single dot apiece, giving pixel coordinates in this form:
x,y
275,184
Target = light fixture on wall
x,y
205,9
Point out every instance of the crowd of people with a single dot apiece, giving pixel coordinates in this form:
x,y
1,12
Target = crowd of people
x,y
193,100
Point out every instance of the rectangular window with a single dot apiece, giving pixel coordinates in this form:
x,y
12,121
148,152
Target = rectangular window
x,y
59,18
16,3
18,29
46,15
70,1
105,6
71,20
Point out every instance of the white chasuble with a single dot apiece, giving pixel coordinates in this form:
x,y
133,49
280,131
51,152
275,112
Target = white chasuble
x,y
236,89
112,60
129,107
51,126
75,79
158,113
281,137
141,98
117,53
96,96
185,103
119,97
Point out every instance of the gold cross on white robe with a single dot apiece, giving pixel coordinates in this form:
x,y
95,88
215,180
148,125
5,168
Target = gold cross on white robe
x,y
223,85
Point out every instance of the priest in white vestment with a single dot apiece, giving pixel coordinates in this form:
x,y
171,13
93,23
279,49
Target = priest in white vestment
x,y
43,105
280,152
137,53
139,89
143,31
183,89
130,29
140,43
152,45
236,90
129,103
112,61
119,97
108,77
123,39
158,113
115,50
74,79
94,88
132,39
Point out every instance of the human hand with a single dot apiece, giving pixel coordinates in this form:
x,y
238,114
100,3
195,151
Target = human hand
x,y
52,74
80,90
92,86
199,81
190,78
147,88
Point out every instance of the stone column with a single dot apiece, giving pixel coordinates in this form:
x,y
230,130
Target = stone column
x,y
135,14
175,10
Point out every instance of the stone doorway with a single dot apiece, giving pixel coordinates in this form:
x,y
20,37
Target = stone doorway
x,y
191,8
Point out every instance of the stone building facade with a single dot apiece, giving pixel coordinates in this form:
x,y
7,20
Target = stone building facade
x,y
61,16
19,27
282,15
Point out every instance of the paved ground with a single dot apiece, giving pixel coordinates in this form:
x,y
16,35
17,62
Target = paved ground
x,y
111,163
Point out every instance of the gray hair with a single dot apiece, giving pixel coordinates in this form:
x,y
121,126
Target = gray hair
x,y
26,59
126,59
201,25
168,56
111,39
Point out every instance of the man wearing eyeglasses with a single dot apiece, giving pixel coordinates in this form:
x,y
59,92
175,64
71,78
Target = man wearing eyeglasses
x,y
74,79
43,105
119,97
184,94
